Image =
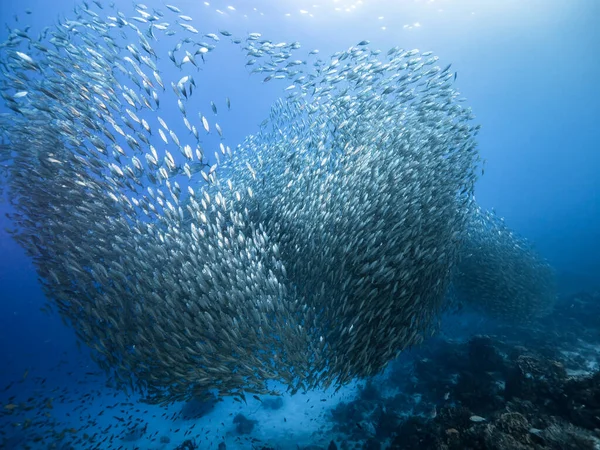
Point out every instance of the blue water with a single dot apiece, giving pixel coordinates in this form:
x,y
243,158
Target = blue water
x,y
529,70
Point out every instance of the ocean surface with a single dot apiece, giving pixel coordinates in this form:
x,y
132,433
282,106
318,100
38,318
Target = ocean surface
x,y
469,378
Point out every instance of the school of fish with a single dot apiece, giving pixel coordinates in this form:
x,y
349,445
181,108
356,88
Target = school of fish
x,y
500,273
312,253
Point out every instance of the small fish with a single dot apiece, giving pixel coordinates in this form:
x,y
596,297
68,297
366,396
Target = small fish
x,y
477,419
433,412
175,9
205,123
188,27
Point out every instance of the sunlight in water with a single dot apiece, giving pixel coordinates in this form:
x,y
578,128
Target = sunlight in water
x,y
307,8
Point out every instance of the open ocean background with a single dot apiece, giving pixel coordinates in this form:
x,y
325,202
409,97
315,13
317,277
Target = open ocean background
x,y
529,70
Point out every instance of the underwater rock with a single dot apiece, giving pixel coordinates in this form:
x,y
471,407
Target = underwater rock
x,y
345,416
188,444
455,417
135,433
513,431
580,401
509,432
500,395
514,424
243,425
535,379
564,436
416,433
369,392
197,407
483,355
478,391
372,444
272,403
385,422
